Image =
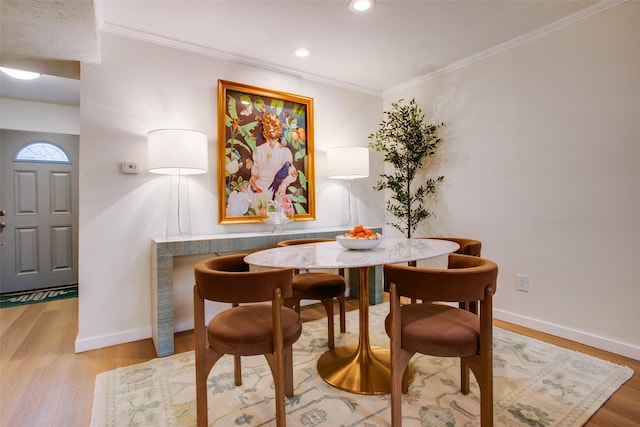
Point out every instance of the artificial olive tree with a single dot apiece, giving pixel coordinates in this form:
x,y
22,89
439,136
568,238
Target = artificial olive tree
x,y
406,141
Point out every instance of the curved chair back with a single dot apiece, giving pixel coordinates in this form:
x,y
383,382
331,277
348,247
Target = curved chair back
x,y
228,279
292,242
465,280
467,246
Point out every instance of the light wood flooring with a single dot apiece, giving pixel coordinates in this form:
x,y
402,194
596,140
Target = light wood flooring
x,y
44,383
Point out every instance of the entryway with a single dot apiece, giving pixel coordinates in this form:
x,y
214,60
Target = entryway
x,y
39,210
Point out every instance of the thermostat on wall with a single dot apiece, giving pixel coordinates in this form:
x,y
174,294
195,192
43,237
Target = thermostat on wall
x,y
129,167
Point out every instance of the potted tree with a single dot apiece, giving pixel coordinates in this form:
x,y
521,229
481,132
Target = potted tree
x,y
406,141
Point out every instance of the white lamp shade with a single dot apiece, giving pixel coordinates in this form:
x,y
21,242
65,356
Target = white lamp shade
x,y
348,162
177,152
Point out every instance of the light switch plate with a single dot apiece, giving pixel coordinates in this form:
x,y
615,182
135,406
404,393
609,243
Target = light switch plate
x,y
129,167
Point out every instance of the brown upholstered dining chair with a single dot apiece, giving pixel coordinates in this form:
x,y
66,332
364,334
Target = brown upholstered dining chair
x,y
442,330
247,328
471,247
319,286
467,246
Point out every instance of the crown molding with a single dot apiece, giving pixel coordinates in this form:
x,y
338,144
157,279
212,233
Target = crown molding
x,y
124,31
510,44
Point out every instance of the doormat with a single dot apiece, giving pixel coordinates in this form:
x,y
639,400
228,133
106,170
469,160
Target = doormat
x,y
13,299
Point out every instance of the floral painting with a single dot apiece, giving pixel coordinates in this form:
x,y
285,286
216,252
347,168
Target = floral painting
x,y
265,154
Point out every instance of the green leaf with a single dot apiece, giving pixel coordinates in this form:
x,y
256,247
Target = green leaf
x,y
299,208
245,100
299,110
302,179
231,107
234,141
300,154
258,104
298,198
278,105
245,129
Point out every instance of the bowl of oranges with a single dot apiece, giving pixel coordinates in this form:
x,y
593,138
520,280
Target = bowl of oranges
x,y
360,238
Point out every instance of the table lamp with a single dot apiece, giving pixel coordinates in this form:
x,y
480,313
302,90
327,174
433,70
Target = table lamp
x,y
347,164
178,153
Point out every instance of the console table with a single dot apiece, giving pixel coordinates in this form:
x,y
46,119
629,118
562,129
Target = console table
x,y
164,249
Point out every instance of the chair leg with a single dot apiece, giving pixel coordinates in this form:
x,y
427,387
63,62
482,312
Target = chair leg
x,y
464,377
276,364
483,372
399,384
328,307
279,386
396,399
405,381
204,363
237,370
486,402
343,313
201,394
288,371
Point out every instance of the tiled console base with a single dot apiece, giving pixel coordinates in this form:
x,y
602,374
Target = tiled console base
x,y
163,250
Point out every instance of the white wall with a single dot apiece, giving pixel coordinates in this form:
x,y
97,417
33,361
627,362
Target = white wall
x,y
138,87
39,116
542,163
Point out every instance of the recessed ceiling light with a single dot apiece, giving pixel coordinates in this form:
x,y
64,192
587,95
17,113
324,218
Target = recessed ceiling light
x,y
20,74
301,52
358,6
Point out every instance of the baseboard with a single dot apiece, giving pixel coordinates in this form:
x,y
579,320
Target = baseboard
x,y
112,339
606,344
181,326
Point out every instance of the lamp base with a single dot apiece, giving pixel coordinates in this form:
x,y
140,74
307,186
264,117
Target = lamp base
x,y
352,207
178,209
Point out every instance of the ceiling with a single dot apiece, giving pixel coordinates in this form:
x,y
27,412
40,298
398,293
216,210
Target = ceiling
x,y
394,43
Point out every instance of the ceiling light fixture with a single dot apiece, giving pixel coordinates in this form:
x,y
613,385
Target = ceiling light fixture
x,y
359,6
301,52
20,74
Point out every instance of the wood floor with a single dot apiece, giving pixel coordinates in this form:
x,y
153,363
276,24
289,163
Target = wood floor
x,y
44,383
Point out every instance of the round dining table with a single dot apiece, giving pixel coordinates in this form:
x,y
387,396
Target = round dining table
x,y
360,368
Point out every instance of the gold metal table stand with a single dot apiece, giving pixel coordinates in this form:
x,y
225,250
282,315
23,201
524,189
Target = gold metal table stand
x,y
359,368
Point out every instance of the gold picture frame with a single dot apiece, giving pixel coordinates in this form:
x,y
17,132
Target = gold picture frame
x,y
265,155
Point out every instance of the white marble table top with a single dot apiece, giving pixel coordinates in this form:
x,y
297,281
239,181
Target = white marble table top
x,y
332,255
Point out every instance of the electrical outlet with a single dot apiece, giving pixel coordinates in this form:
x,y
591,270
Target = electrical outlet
x,y
522,282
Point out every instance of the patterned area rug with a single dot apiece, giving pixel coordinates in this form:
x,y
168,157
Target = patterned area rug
x,y
536,384
39,295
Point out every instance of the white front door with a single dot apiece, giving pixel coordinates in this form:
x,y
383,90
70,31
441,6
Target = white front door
x,y
39,210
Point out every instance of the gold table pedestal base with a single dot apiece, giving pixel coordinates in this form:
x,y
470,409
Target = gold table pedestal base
x,y
357,370
362,368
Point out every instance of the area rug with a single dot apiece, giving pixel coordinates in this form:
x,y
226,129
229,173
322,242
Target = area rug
x,y
38,295
536,384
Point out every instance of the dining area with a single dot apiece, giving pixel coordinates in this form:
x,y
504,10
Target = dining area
x,y
457,329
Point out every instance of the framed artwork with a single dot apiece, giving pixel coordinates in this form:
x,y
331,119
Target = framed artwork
x,y
265,155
